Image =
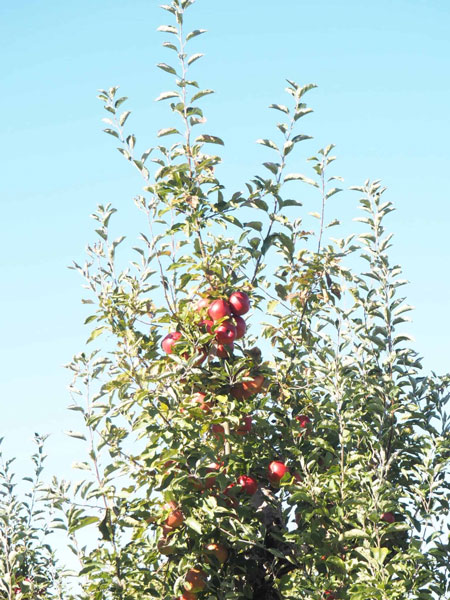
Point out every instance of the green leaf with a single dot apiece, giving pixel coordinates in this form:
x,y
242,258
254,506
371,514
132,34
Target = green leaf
x,y
354,533
167,131
273,167
194,524
193,58
111,132
167,68
83,523
306,88
96,333
171,46
300,138
280,107
299,177
268,143
75,434
120,101
332,192
167,29
336,563
166,95
254,225
276,552
271,306
209,139
195,33
123,117
200,94
380,554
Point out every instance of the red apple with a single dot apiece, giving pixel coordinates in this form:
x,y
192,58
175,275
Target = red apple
x,y
218,551
248,484
169,341
224,350
206,325
202,303
387,517
230,491
195,580
219,309
276,470
298,478
187,596
226,333
239,302
200,399
210,479
303,420
166,530
196,482
246,389
218,431
175,517
241,327
245,427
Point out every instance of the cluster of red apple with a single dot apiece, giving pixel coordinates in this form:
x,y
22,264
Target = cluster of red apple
x,y
225,322
222,318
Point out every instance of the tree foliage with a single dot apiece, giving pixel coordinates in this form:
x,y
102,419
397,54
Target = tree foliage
x,y
325,382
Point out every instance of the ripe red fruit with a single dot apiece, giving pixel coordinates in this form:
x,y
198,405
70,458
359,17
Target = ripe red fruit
x,y
224,350
328,595
246,389
176,517
202,303
218,431
226,333
219,309
241,327
245,426
276,470
206,325
387,517
169,341
187,596
298,478
196,482
248,484
166,530
231,493
303,420
200,399
195,580
239,302
210,479
218,551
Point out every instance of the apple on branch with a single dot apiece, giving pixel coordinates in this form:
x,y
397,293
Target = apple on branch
x,y
169,341
219,309
276,471
195,580
239,302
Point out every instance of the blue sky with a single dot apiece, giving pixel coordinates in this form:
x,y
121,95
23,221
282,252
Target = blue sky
x,y
384,90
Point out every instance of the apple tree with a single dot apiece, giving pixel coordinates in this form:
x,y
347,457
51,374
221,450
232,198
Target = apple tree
x,y
258,424
29,567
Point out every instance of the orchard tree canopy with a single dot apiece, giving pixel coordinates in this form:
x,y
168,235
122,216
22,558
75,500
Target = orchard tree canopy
x,y
258,425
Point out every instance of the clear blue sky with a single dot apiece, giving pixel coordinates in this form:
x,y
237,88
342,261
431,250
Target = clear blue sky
x,y
384,91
